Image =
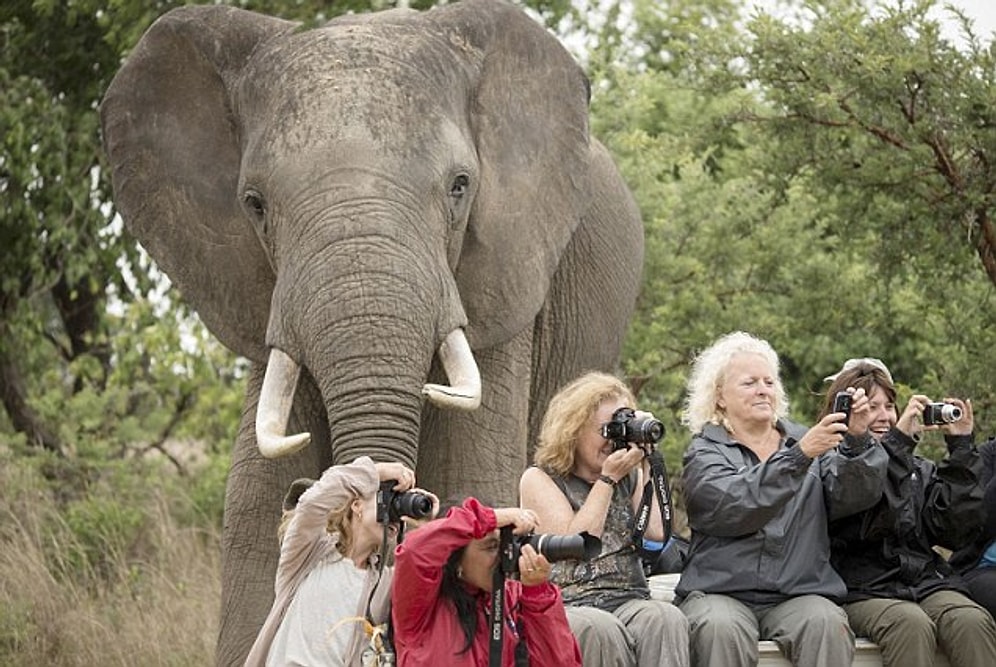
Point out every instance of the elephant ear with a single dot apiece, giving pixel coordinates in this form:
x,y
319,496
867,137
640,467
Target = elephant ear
x,y
172,138
530,118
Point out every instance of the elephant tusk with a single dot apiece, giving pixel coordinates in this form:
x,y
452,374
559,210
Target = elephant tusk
x,y
464,392
273,411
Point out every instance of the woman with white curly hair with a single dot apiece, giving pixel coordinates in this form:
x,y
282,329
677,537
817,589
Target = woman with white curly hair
x,y
759,491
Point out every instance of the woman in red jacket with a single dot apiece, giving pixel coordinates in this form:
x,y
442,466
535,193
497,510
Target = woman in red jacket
x,y
441,596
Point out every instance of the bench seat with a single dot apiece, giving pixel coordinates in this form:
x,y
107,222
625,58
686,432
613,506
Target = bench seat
x,y
866,653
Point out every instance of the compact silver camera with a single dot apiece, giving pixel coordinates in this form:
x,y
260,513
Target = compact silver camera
x,y
940,413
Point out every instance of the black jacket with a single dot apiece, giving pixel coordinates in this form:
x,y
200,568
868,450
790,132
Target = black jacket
x,y
967,558
886,551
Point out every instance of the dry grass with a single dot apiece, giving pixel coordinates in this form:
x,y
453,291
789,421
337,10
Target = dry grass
x,y
154,601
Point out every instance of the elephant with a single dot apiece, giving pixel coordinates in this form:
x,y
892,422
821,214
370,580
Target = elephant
x,y
399,218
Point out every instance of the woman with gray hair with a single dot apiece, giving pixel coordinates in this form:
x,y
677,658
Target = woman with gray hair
x,y
759,491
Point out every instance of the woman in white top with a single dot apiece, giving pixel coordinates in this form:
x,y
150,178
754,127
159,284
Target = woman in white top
x,y
330,590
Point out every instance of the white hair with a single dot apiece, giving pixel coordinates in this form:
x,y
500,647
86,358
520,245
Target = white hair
x,y
709,373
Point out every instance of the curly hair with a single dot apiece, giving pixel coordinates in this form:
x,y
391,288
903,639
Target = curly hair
x,y
568,414
709,373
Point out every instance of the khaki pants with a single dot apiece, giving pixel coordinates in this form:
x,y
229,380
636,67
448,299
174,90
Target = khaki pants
x,y
908,634
810,630
640,633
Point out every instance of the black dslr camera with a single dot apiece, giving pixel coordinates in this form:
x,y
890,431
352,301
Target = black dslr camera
x,y
940,413
624,428
392,505
580,546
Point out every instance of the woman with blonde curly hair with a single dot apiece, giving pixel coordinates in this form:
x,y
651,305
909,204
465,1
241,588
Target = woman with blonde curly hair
x,y
582,482
759,491
331,586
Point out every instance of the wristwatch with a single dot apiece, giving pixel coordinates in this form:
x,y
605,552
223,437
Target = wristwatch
x,y
608,480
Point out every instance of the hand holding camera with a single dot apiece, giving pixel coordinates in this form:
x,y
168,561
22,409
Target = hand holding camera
x,y
633,435
627,426
853,404
952,415
518,553
393,506
523,521
402,476
533,568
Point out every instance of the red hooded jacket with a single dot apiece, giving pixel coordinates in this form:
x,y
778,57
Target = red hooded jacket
x,y
426,629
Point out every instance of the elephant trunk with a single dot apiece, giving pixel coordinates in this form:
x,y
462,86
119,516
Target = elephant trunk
x,y
364,310
282,373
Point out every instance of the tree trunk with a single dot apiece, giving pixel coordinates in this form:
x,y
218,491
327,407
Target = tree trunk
x,y
22,417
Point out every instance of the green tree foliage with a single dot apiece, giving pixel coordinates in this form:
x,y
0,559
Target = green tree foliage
x,y
824,183
812,209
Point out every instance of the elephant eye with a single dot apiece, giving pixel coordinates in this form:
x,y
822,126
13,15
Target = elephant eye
x,y
254,204
459,187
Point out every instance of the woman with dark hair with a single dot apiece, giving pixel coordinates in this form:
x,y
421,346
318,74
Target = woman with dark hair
x,y
901,593
441,597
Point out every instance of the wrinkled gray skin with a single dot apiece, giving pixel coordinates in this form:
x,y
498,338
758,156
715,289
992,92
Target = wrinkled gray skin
x,y
350,195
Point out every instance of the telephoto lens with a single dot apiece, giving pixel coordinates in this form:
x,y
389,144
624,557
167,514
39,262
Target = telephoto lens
x,y
580,546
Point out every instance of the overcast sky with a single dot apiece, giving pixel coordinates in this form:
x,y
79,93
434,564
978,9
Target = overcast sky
x,y
983,12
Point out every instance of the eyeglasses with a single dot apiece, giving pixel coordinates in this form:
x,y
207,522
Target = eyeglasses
x,y
864,361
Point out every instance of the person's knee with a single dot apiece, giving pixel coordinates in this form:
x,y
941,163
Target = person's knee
x,y
601,637
655,615
596,625
824,622
968,618
721,624
825,614
916,623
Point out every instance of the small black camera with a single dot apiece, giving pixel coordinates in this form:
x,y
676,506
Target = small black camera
x,y
940,413
842,403
624,428
392,505
579,546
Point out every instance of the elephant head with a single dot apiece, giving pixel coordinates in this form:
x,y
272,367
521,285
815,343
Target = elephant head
x,y
362,209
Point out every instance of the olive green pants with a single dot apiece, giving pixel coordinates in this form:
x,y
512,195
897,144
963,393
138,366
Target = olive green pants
x,y
908,634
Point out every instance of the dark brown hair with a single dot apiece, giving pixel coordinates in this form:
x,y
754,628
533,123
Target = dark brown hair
x,y
861,376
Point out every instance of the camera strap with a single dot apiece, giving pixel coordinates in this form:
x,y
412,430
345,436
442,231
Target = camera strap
x,y
385,654
498,605
656,484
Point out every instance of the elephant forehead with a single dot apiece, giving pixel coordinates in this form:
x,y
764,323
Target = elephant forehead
x,y
354,75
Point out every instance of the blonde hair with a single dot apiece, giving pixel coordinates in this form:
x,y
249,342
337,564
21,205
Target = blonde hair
x,y
709,373
339,521
568,414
